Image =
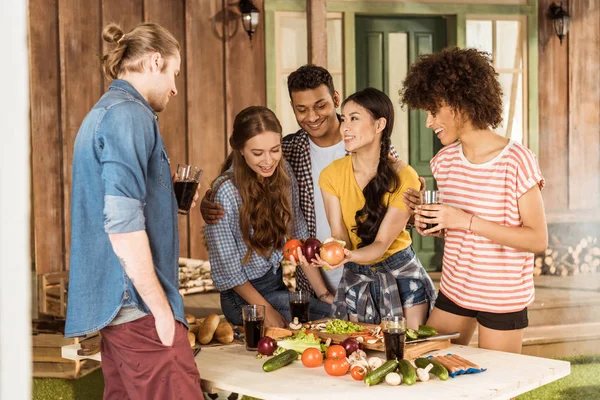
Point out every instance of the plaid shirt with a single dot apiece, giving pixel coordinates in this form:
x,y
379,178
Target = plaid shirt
x,y
227,248
296,150
390,302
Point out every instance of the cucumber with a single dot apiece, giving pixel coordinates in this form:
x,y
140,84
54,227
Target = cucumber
x,y
409,373
374,377
426,331
412,334
280,360
438,369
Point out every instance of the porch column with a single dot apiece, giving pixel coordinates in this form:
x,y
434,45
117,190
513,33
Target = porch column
x,y
316,15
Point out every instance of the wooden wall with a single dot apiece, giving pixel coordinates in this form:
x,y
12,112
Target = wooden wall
x,y
222,72
569,110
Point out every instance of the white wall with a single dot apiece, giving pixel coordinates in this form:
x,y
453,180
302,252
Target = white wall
x,y
15,264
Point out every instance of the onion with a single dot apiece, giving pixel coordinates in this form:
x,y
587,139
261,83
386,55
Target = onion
x,y
332,253
311,248
266,345
351,345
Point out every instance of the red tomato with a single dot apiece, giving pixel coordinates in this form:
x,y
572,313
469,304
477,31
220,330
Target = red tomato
x,y
290,249
336,352
336,367
332,253
358,373
312,357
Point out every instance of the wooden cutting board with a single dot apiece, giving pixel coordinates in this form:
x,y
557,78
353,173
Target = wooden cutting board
x,y
411,351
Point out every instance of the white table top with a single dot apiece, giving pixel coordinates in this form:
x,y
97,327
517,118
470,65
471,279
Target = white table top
x,y
232,368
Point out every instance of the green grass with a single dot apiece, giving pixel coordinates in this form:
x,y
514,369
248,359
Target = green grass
x,y
89,387
582,383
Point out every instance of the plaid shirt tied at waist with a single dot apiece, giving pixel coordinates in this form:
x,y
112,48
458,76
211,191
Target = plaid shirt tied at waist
x,y
390,302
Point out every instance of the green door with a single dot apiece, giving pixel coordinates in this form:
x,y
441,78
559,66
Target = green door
x,y
385,48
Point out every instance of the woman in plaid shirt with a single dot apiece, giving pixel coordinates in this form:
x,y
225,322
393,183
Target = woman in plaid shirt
x,y
260,197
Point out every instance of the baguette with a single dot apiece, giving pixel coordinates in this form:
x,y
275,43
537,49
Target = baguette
x,y
192,339
190,319
224,333
278,333
207,329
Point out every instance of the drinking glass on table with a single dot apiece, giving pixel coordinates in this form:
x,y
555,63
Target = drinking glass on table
x,y
394,335
254,319
431,197
299,302
186,183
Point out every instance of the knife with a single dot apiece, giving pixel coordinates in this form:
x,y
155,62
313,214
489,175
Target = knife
x,y
452,335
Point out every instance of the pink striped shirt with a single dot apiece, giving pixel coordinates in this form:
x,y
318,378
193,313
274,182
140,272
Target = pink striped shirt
x,y
477,273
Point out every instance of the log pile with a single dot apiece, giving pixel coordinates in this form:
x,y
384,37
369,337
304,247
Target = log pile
x,y
563,260
194,276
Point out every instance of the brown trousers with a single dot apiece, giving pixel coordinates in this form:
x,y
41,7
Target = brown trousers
x,y
137,366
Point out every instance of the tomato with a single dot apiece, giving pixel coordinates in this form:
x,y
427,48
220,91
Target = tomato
x,y
336,367
336,352
358,373
332,253
290,249
312,357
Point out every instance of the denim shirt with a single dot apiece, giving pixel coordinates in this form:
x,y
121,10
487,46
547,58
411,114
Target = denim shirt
x,y
121,183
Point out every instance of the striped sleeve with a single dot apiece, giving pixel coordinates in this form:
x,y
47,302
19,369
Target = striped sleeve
x,y
528,172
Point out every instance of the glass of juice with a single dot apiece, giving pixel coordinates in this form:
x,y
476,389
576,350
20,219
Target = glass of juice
x,y
431,197
394,331
254,318
186,183
299,301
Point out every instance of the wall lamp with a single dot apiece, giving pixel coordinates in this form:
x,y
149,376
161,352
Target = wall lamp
x,y
560,18
250,16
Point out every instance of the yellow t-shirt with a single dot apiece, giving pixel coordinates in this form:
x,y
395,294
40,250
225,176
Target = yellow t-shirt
x,y
338,179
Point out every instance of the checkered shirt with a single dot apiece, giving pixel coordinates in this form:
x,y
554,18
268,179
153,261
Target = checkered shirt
x,y
226,245
296,150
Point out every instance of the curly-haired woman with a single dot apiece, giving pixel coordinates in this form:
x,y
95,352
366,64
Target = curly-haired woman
x,y
492,218
363,200
260,196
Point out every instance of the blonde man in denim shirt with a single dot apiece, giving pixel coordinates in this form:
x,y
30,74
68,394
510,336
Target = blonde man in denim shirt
x,y
124,252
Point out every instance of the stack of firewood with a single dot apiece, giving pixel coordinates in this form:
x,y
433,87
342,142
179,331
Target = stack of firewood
x,y
194,276
581,258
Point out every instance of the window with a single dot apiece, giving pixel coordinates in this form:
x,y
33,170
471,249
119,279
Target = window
x,y
505,40
291,53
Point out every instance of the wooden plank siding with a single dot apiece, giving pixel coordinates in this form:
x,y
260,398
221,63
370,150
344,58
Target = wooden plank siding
x,y
46,143
219,76
569,104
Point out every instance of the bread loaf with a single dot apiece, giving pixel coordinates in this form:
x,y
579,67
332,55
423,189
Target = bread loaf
x,y
207,329
278,333
192,339
224,333
190,319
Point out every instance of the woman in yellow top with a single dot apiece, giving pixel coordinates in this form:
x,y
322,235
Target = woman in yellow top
x,y
363,201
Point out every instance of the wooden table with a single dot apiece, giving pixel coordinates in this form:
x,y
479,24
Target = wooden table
x,y
232,368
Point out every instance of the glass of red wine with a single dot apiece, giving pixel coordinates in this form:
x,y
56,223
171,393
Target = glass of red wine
x,y
394,336
254,318
431,197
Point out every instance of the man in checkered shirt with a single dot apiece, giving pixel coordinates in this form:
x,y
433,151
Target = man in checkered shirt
x,y
318,143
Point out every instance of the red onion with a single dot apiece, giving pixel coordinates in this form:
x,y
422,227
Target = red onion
x,y
266,345
351,345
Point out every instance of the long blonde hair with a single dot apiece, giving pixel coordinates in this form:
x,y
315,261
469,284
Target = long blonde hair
x,y
127,55
266,204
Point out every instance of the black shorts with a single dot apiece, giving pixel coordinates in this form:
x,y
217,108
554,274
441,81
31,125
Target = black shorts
x,y
498,321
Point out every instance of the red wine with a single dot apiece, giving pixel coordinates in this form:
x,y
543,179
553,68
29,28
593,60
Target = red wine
x,y
253,332
184,193
394,343
299,309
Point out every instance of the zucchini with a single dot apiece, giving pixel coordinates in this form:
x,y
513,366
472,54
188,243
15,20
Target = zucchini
x,y
374,377
426,331
409,374
412,334
280,360
438,369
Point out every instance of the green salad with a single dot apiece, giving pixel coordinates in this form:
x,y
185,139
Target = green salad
x,y
339,326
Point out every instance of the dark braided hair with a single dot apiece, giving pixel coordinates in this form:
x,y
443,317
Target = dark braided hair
x,y
368,219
